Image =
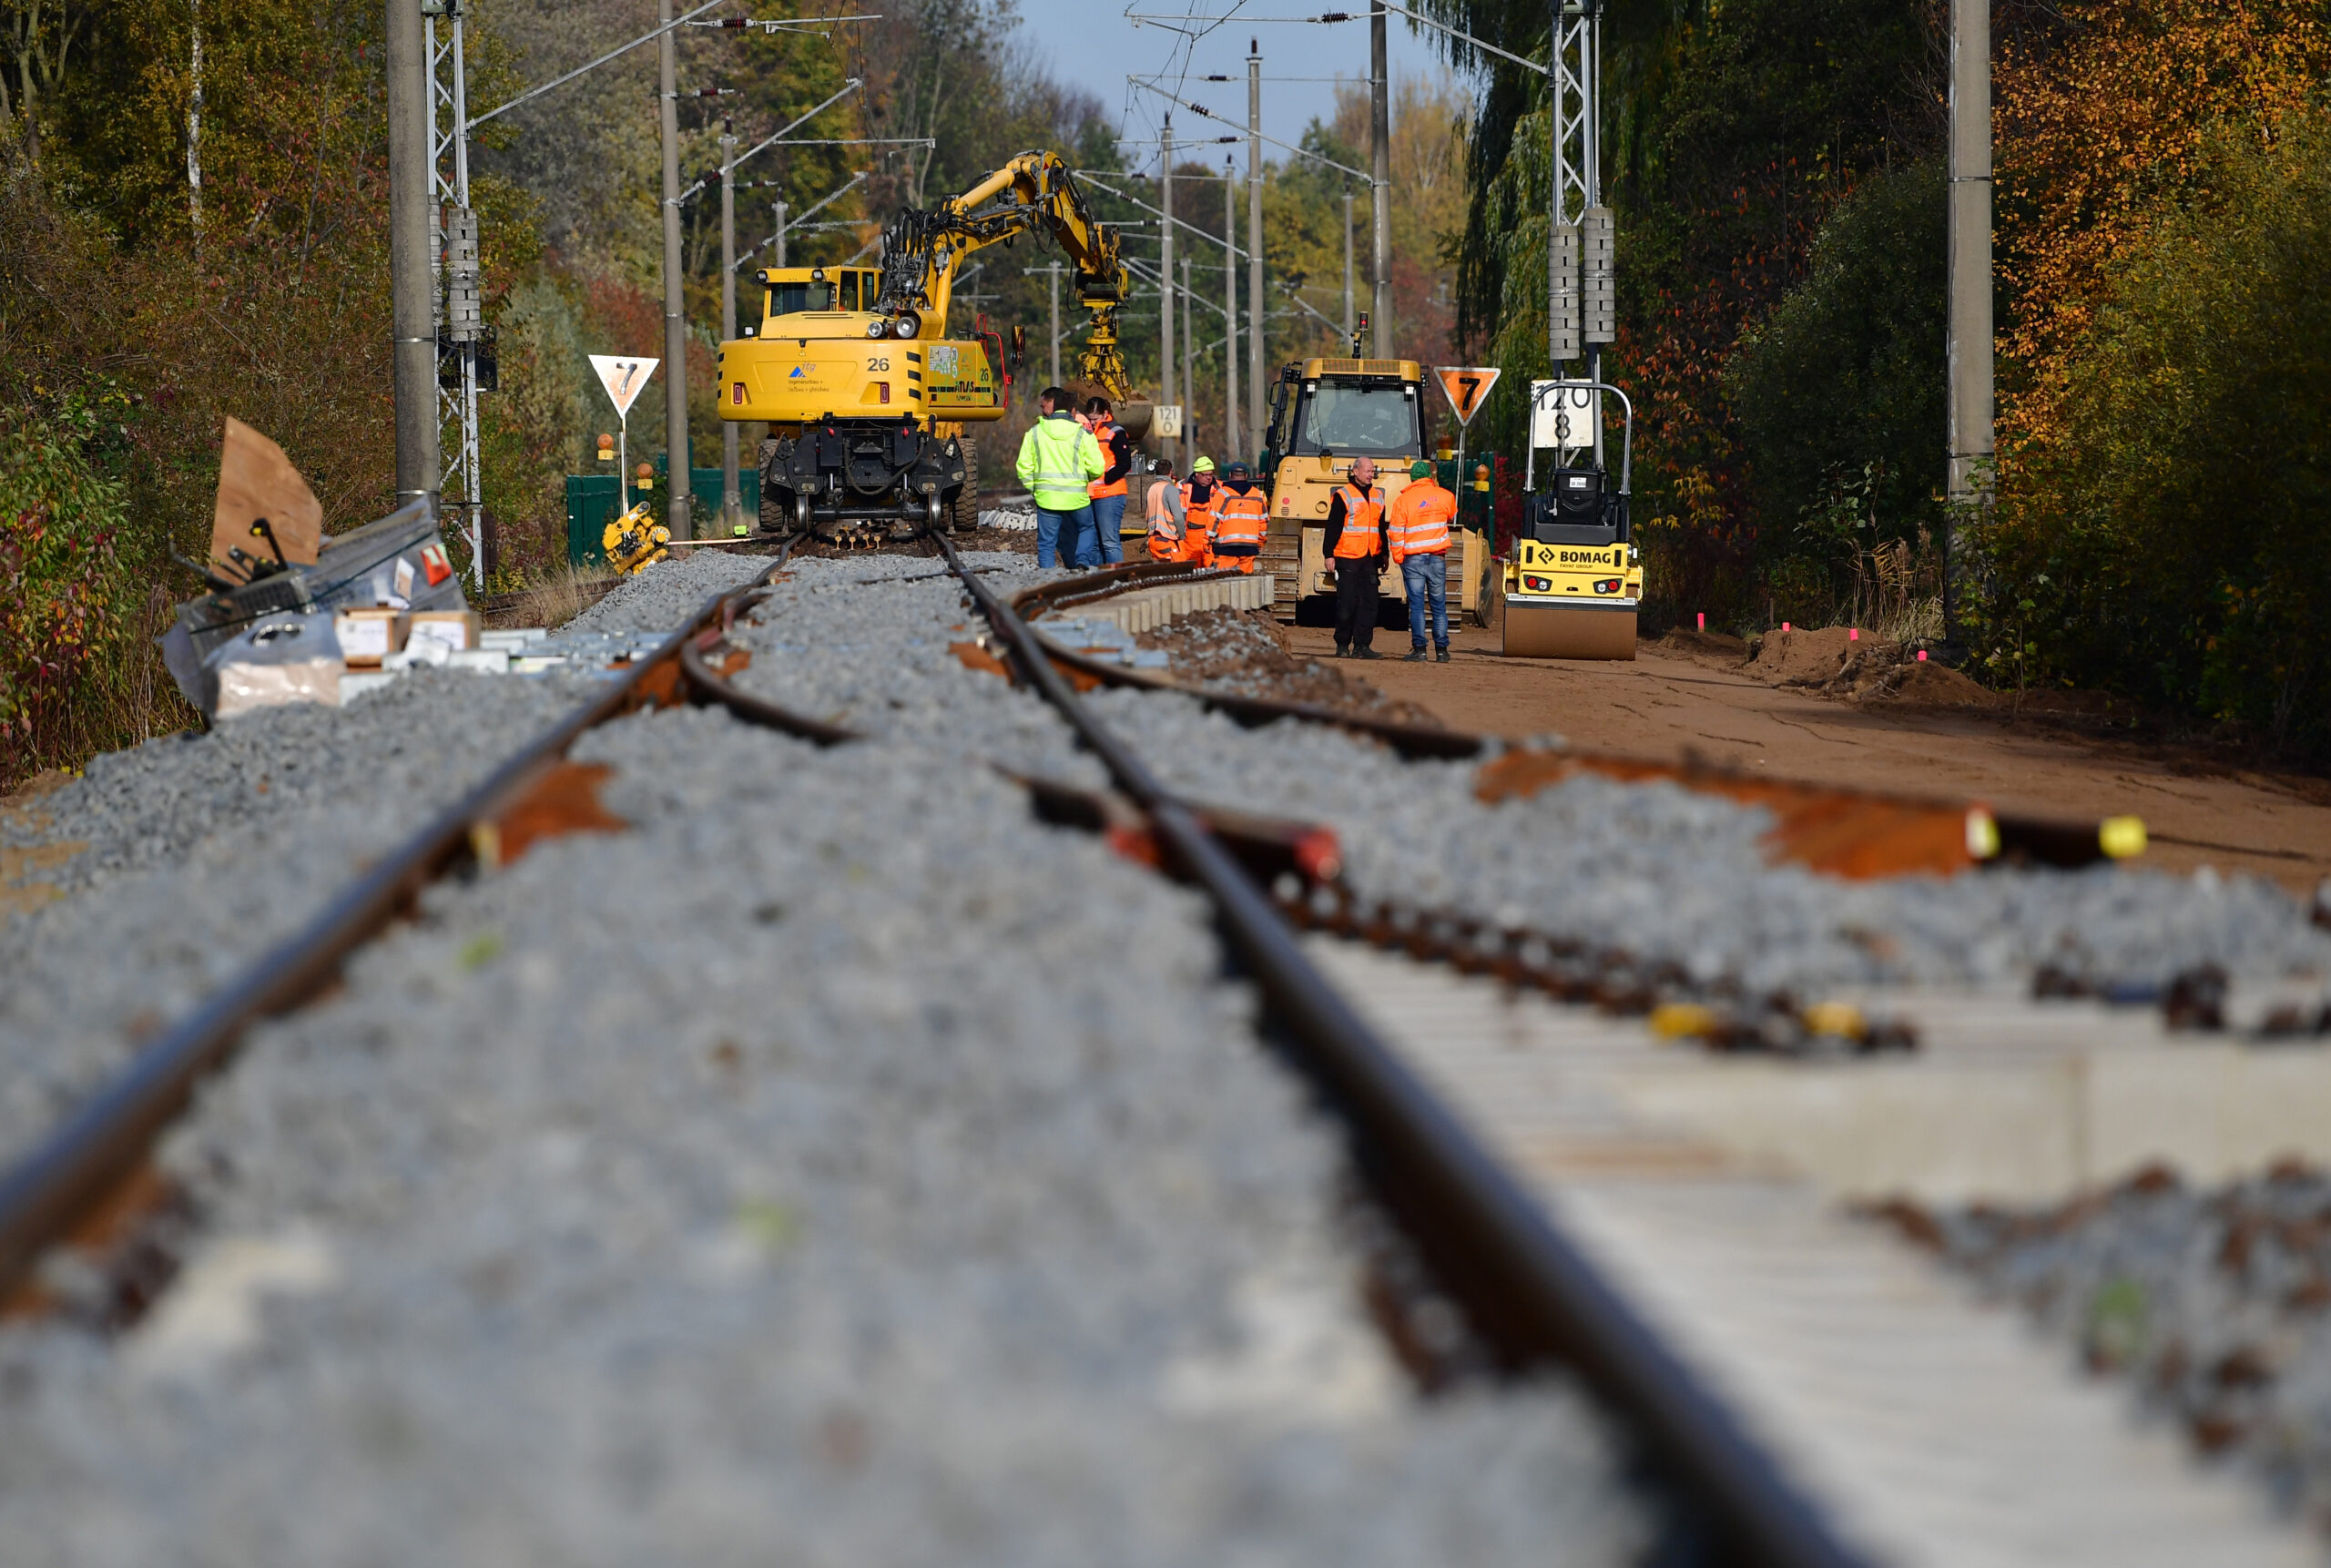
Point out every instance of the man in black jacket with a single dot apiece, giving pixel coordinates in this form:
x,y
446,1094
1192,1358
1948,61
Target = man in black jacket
x,y
1355,544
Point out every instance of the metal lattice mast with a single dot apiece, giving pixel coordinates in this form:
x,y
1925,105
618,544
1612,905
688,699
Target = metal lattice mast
x,y
460,321
1581,306
1572,189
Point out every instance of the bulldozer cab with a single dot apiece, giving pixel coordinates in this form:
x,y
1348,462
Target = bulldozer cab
x,y
1350,408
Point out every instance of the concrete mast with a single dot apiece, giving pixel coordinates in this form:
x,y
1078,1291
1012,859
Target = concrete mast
x,y
675,326
411,292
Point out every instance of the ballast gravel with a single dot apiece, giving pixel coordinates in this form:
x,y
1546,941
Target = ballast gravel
x,y
865,643
666,595
2212,1301
205,850
836,1168
1667,875
1652,870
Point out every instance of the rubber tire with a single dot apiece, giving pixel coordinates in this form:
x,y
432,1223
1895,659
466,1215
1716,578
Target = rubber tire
x,y
963,513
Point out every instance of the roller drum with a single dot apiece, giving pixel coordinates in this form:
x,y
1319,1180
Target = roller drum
x,y
1568,631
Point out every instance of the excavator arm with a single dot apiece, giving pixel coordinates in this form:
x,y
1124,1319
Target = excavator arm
x,y
922,249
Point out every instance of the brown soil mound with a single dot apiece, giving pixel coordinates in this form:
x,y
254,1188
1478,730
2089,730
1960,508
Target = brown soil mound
x,y
1833,662
1928,685
1803,656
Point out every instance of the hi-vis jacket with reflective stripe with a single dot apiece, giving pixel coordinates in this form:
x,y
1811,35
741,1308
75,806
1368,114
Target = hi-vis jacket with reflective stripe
x,y
1104,437
1058,458
1419,524
1362,535
1242,520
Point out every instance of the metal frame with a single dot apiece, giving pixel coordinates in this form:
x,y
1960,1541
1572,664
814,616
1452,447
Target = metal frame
x,y
1626,441
449,166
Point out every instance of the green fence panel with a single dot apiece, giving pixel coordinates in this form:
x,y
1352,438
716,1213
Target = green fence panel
x,y
592,503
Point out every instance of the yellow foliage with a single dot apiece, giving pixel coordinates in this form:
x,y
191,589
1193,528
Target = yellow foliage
x,y
2104,123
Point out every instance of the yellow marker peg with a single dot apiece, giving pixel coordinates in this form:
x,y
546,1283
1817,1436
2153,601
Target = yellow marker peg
x,y
2121,837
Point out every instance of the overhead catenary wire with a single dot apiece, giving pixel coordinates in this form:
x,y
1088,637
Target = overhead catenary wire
x,y
532,93
1288,146
1087,175
854,181
848,87
1140,19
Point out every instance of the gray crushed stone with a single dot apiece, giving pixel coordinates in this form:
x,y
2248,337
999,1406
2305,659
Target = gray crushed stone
x,y
863,643
2210,1300
772,1175
666,594
205,850
1654,870
1669,875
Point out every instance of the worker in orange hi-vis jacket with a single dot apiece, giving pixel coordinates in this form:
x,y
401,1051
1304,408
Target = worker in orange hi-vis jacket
x,y
1355,542
1241,520
1418,533
1201,494
1169,523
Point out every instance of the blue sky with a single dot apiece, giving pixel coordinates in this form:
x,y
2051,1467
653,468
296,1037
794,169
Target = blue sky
x,y
1094,46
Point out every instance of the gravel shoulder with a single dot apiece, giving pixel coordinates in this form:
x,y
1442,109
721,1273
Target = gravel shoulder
x,y
837,1157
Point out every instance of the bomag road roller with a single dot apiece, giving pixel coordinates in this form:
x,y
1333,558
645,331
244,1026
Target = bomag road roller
x,y
865,396
1324,413
1570,587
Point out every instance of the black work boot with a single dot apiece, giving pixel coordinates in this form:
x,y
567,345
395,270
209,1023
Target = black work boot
x,y
1416,655
1365,652
1443,656
1343,650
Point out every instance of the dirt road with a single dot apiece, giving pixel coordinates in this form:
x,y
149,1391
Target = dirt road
x,y
1668,702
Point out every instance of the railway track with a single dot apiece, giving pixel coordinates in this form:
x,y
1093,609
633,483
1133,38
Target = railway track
x,y
1533,1295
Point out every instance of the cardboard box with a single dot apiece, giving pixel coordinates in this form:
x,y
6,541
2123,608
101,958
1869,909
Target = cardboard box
x,y
245,687
368,637
456,630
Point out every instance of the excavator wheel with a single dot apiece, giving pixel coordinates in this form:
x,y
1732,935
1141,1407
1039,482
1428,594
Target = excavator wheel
x,y
964,512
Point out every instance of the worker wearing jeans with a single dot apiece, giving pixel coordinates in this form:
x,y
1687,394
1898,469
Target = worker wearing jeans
x,y
1107,492
1416,530
1058,458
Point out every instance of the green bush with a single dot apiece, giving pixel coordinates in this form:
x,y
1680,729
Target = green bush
x,y
61,523
1838,394
2175,543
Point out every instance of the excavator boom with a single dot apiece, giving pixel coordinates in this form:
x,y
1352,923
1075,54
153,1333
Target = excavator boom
x,y
1035,193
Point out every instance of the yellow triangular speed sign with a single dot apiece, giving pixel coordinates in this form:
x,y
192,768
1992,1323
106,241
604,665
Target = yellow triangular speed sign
x,y
1466,387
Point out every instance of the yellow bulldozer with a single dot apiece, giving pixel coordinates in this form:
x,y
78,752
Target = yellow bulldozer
x,y
1324,414
865,396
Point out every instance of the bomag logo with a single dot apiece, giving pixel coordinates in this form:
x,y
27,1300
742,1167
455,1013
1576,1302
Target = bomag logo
x,y
1586,557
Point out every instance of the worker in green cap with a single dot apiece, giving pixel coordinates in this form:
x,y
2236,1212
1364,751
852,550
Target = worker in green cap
x,y
1417,533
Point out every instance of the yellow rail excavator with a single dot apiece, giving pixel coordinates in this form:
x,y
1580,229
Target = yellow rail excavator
x,y
866,397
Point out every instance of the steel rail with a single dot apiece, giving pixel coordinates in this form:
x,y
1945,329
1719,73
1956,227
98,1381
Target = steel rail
x,y
2039,841
98,1147
1527,1288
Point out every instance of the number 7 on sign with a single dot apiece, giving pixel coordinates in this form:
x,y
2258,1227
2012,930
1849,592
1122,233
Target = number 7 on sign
x,y
1466,387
